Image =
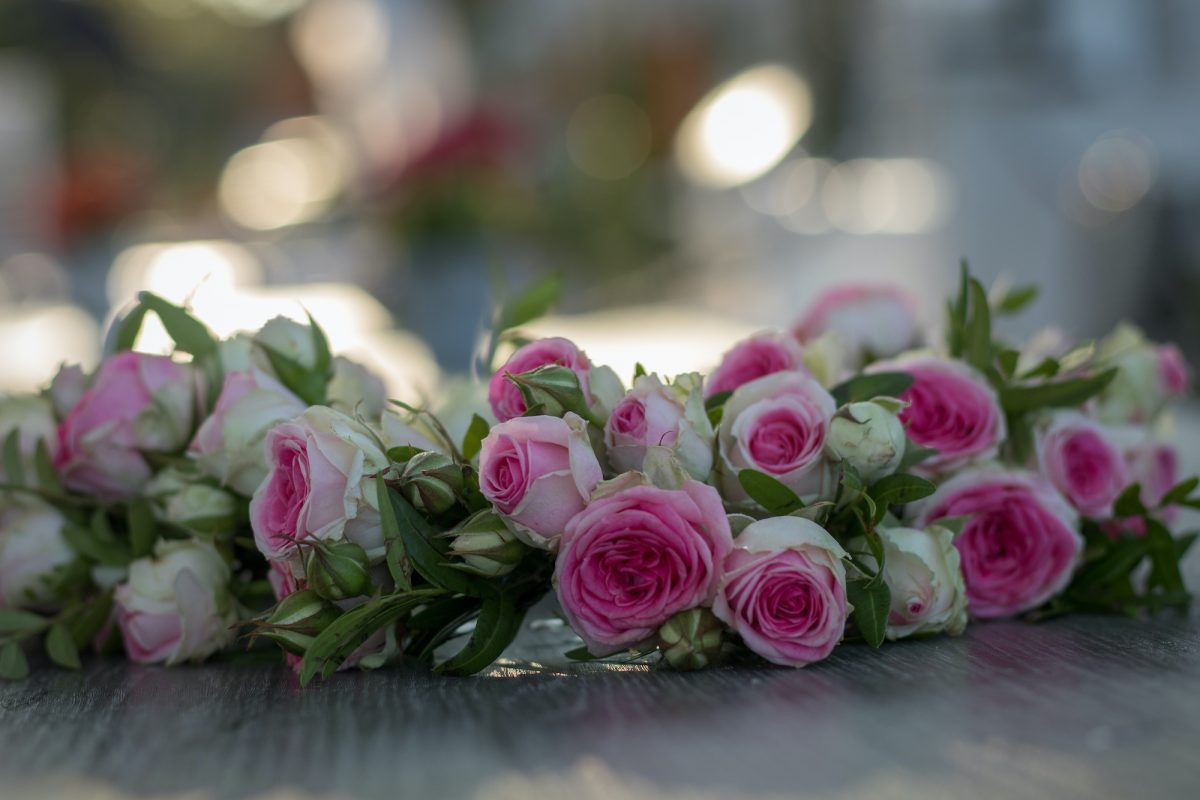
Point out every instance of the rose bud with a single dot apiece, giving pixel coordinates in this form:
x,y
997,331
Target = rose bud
x,y
183,500
486,546
1020,544
691,639
1147,376
32,550
783,590
32,417
777,425
356,391
538,472
337,570
137,403
921,568
506,398
229,444
870,320
658,415
288,338
302,615
951,409
1083,462
752,358
432,481
868,436
176,605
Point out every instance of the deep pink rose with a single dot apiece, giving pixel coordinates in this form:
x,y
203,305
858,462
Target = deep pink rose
x,y
759,355
503,395
538,472
783,590
631,560
776,424
1020,544
1083,462
1173,371
871,320
1155,467
318,485
137,403
951,408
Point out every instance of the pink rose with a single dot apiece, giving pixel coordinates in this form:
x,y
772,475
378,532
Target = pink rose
x,y
871,320
951,408
538,472
776,424
1083,462
229,444
783,590
1173,372
1020,545
759,355
1155,467
505,398
632,559
137,403
176,605
318,486
655,414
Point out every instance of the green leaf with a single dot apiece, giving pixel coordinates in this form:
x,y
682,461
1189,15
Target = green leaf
x,y
189,334
638,370
977,337
1057,394
1017,299
1118,560
1048,368
60,646
956,313
777,499
13,468
1129,502
323,361
44,467
13,665
1180,491
872,384
555,387
402,453
437,623
143,529
426,550
498,624
14,620
872,601
84,541
717,400
310,385
96,613
1164,562
537,299
915,454
397,560
898,489
1007,360
581,654
473,439
125,331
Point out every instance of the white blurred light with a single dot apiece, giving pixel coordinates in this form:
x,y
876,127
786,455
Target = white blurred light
x,y
38,339
923,192
179,271
608,137
1117,171
744,127
341,41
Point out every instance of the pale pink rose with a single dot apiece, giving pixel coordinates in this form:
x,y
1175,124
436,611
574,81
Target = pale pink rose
x,y
176,605
538,472
318,486
632,559
1173,371
137,403
229,444
759,355
1020,544
1083,462
776,424
504,396
654,414
66,387
1154,466
783,590
951,408
32,550
870,320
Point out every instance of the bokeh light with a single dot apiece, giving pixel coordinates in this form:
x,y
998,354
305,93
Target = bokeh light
x,y
608,137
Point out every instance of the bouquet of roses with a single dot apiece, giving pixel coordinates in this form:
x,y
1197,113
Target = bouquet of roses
x,y
843,481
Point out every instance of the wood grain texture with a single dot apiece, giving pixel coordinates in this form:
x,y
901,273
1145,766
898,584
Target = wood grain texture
x,y
1079,707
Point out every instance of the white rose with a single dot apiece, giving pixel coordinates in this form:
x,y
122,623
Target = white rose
x,y
356,390
869,436
922,571
1138,392
191,504
288,338
32,547
32,417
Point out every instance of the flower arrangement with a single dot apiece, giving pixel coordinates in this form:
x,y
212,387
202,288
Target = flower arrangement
x,y
846,481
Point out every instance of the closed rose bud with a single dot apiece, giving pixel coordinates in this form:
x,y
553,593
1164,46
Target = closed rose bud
x,y
337,570
287,338
921,568
357,391
691,639
487,546
432,481
300,617
868,436
189,503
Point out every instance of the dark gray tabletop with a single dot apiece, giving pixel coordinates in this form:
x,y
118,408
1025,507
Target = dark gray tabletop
x,y
1080,707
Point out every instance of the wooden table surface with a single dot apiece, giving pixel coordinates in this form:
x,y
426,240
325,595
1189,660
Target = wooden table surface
x,y
1081,707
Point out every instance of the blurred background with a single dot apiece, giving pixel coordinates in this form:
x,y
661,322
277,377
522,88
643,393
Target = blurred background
x,y
694,169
